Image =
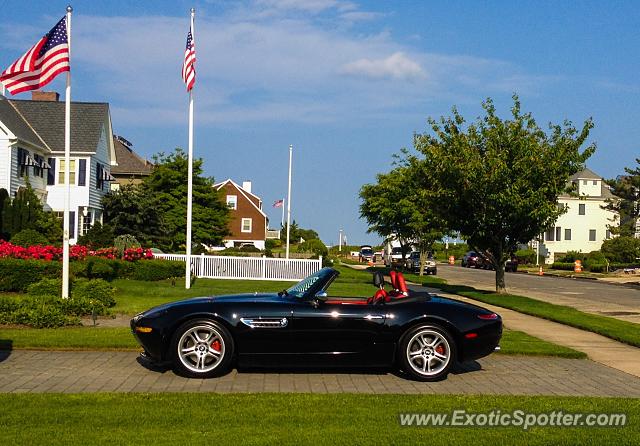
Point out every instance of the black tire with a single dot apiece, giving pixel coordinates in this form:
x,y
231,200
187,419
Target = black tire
x,y
213,364
409,341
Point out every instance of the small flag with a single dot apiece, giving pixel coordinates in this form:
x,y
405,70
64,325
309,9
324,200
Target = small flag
x,y
189,64
41,64
278,203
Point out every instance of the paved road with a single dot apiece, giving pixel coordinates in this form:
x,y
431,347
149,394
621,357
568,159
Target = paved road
x,y
586,295
72,372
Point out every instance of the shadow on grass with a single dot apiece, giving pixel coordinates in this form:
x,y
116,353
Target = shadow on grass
x,y
6,347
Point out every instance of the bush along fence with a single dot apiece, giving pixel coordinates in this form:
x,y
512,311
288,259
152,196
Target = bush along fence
x,y
594,268
248,268
21,267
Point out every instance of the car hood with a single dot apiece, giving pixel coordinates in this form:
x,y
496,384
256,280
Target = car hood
x,y
247,297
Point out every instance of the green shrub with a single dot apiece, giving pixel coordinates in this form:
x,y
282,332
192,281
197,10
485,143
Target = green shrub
x,y
621,249
28,237
248,248
96,289
18,274
99,236
272,243
565,266
595,258
598,267
44,316
153,270
572,256
81,306
46,287
315,246
124,242
526,256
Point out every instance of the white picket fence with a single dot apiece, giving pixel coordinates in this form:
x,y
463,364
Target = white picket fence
x,y
248,268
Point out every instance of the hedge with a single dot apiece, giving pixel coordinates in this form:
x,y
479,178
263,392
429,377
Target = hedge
x,y
18,274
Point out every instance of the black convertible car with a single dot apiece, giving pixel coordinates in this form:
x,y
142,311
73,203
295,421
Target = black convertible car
x,y
422,334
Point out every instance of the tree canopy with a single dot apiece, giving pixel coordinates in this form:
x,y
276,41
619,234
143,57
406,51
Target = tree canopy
x,y
497,181
627,190
155,212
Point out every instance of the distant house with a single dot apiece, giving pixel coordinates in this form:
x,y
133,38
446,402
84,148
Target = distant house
x,y
32,146
127,167
585,224
248,222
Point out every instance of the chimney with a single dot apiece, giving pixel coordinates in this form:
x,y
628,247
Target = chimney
x,y
246,185
50,96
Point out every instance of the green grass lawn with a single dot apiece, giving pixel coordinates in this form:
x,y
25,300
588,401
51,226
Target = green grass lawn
x,y
183,419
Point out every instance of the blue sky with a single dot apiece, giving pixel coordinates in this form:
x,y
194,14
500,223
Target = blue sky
x,y
346,82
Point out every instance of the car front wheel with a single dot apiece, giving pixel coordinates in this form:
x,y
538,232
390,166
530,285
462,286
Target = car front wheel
x,y
202,349
427,353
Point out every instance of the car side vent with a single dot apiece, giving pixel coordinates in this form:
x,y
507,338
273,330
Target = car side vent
x,y
265,323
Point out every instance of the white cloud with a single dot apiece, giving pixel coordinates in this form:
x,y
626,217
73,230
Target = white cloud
x,y
396,66
311,6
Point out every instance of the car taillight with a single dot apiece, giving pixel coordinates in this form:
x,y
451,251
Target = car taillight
x,y
488,317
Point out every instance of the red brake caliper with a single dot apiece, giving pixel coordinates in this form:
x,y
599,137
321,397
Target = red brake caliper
x,y
440,349
216,345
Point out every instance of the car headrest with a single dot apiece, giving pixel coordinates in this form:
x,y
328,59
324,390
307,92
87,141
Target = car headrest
x,y
394,282
402,285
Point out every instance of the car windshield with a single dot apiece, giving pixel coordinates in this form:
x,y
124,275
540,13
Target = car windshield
x,y
366,251
396,250
414,255
318,281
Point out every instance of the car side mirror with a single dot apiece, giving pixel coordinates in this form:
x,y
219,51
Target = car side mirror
x,y
378,279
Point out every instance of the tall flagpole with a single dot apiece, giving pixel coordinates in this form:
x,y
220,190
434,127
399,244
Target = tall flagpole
x,y
67,162
187,283
289,200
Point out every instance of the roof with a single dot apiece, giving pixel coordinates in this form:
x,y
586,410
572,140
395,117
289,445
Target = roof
x,y
585,174
14,121
246,194
128,161
47,119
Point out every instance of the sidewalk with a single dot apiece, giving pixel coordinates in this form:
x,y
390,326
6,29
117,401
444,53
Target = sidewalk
x,y
600,349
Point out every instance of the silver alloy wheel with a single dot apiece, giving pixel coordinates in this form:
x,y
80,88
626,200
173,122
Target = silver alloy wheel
x,y
428,352
201,348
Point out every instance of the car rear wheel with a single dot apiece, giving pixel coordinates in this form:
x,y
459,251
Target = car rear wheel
x,y
427,352
202,349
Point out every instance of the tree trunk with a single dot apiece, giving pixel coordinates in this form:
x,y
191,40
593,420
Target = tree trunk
x,y
423,259
499,263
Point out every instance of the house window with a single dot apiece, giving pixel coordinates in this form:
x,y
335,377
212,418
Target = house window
x,y
558,233
581,209
592,235
99,176
549,235
567,234
232,201
595,182
584,182
86,222
608,234
72,171
38,171
246,225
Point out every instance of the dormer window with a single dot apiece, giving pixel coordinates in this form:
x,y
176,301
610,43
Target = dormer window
x,y
595,182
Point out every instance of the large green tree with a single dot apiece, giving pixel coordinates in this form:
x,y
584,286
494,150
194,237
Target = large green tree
x,y
388,206
25,211
497,181
626,188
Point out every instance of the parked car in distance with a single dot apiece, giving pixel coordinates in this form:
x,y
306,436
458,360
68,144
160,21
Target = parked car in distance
x,y
366,254
472,258
393,257
412,263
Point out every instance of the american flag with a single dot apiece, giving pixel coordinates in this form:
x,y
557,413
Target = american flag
x,y
189,64
41,64
278,203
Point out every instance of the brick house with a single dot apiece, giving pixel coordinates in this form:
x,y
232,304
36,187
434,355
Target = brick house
x,y
248,223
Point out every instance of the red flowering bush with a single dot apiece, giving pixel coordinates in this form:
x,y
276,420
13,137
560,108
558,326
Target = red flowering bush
x,y
133,254
76,252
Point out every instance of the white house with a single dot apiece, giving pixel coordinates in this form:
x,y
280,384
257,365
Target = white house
x,y
32,146
585,224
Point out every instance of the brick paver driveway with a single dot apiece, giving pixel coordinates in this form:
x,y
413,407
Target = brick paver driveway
x,y
59,371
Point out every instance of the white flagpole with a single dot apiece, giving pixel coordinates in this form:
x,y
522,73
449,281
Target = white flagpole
x,y
289,200
187,283
67,162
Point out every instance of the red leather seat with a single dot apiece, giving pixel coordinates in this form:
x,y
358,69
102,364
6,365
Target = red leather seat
x,y
380,296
